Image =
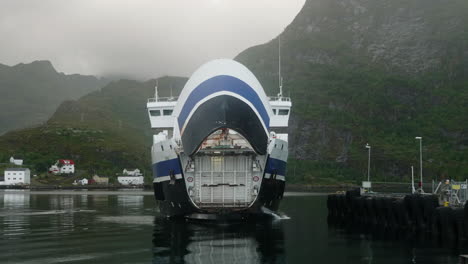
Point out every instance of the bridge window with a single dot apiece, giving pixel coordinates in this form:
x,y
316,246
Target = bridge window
x,y
155,112
274,111
283,112
167,112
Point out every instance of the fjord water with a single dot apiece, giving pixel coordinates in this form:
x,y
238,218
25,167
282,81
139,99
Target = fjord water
x,y
125,227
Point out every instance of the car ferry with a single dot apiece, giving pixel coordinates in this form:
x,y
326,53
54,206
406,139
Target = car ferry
x,y
220,148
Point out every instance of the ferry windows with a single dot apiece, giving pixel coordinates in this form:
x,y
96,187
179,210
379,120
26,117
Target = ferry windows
x,y
165,112
155,112
281,112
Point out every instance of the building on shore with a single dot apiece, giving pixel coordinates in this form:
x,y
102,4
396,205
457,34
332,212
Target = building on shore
x,y
130,180
100,179
16,176
83,181
131,172
63,166
14,161
131,177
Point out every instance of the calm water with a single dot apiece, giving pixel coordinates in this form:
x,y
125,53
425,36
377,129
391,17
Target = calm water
x,y
124,227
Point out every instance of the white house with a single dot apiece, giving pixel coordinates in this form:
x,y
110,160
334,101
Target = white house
x,y
130,180
63,166
16,161
83,181
17,176
131,177
134,172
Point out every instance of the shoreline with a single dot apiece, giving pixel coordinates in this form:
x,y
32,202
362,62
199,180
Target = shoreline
x,y
85,187
309,188
291,187
122,191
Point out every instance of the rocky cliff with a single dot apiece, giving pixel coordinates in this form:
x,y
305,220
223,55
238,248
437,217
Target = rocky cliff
x,y
379,71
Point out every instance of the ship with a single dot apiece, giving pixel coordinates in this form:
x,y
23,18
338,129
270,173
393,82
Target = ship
x,y
220,148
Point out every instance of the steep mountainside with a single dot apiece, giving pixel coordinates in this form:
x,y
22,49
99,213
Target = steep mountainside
x,y
381,72
104,131
30,93
358,71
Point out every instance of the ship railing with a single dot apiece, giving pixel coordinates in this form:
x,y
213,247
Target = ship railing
x,y
163,99
279,99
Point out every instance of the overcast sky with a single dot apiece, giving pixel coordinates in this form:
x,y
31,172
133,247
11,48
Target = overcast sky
x,y
138,39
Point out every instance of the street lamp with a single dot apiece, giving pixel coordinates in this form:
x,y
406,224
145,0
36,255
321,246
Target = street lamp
x,y
368,162
420,161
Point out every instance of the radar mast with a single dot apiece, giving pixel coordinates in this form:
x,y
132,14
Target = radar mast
x,y
280,78
156,91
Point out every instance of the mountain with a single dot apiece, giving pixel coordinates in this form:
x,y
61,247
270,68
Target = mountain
x,y
31,92
378,72
358,71
104,132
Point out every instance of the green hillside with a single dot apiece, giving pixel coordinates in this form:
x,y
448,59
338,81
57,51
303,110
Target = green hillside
x,y
104,131
30,93
378,72
381,72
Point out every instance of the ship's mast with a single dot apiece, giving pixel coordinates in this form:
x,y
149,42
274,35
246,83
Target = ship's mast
x,y
171,91
280,78
156,91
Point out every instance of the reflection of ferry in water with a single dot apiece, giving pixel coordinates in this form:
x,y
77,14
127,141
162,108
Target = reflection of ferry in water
x,y
176,241
222,145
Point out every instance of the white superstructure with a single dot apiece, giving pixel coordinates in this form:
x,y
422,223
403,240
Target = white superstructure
x,y
222,140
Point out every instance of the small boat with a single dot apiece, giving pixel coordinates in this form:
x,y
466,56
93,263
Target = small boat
x,y
220,148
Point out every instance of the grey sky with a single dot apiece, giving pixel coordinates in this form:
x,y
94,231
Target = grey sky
x,y
139,39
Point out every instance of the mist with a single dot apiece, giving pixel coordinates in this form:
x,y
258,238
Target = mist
x,y
137,39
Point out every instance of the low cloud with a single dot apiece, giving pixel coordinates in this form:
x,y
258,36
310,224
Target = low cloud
x,y
137,39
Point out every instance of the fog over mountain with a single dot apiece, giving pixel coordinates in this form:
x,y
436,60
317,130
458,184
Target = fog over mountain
x,y
137,39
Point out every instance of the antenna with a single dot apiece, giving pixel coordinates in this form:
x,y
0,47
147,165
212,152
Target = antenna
x,y
280,78
156,90
171,89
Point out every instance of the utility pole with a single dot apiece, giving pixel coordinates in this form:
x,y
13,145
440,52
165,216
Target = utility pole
x,y
420,163
368,162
